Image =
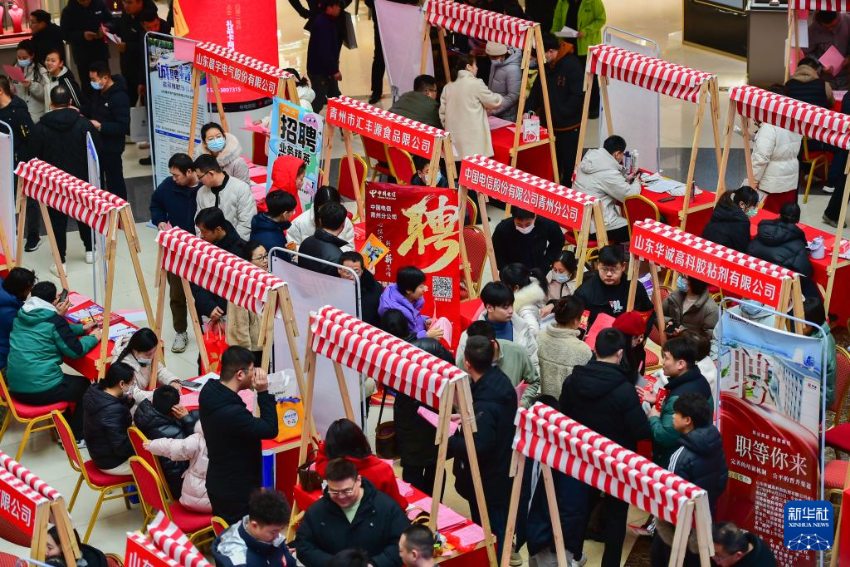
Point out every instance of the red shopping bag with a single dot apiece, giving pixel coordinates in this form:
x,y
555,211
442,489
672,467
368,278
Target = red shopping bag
x,y
215,343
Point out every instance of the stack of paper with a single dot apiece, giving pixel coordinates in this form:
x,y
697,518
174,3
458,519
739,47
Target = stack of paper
x,y
567,33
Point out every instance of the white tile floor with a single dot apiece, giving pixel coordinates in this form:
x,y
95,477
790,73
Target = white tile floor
x,y
659,21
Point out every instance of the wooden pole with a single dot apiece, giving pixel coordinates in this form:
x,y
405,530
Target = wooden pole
x,y
488,235
111,241
797,304
517,470
267,335
689,182
132,247
196,323
547,105
658,302
714,109
703,529
634,272
329,146
196,93
680,536
606,106
349,151
423,61
748,158
307,399
839,233
599,224
444,54
727,149
585,109
161,280
20,207
343,390
284,302
554,516
51,236
218,104
526,58
442,438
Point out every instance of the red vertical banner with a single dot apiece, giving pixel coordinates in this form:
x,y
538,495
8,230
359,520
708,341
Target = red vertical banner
x,y
419,226
18,503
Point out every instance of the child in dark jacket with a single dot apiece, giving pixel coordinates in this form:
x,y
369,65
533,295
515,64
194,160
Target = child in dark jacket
x,y
699,460
269,228
106,419
421,176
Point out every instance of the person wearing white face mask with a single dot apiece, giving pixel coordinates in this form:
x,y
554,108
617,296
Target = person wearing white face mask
x,y
226,150
32,89
690,308
107,418
138,355
730,221
532,241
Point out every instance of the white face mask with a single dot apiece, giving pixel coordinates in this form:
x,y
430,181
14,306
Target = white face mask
x,y
561,278
525,230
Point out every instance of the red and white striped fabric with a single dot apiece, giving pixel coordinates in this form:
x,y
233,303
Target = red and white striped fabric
x,y
688,240
12,466
343,101
216,270
810,120
64,192
832,5
392,361
550,437
647,72
134,558
21,487
174,543
477,23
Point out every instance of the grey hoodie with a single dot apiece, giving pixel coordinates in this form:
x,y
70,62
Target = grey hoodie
x,y
601,176
506,80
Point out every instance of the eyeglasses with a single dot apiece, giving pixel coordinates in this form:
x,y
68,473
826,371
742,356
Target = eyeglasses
x,y
345,492
610,269
260,258
204,174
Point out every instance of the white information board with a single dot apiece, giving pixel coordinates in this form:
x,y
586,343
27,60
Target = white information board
x,y
7,189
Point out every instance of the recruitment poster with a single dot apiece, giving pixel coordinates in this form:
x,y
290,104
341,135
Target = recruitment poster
x,y
770,412
170,103
7,189
295,131
419,227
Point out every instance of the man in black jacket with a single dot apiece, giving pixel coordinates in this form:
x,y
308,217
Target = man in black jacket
x,y
162,417
81,23
607,291
59,138
215,229
234,436
109,112
352,513
325,244
494,403
370,289
532,241
565,85
129,28
600,395
45,34
734,546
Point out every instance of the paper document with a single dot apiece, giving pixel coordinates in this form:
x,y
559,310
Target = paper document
x,y
567,33
665,185
14,72
832,60
434,419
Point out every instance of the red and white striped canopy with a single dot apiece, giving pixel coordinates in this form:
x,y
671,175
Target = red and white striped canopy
x,y
392,361
550,437
647,72
833,5
64,192
26,476
343,102
216,270
810,120
477,23
140,550
174,543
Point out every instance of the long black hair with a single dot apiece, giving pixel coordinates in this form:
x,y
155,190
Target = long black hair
x,y
733,199
142,341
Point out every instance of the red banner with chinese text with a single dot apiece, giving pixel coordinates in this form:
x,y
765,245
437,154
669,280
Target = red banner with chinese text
x,y
374,123
419,225
731,271
18,503
565,206
141,552
260,80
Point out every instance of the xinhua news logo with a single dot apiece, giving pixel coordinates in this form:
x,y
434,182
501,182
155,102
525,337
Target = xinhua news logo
x,y
808,525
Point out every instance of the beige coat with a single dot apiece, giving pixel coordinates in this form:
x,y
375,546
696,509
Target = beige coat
x,y
463,112
559,351
242,328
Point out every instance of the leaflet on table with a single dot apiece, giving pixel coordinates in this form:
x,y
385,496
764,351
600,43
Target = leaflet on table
x,y
844,249
495,122
404,488
116,331
470,535
446,517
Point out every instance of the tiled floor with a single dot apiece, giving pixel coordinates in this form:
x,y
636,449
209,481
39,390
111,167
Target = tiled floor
x,y
659,21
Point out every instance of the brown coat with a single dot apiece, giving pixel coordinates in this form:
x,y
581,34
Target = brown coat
x,y
700,317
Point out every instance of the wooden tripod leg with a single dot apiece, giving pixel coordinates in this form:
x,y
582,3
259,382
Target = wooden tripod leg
x,y
161,281
727,149
510,527
196,323
554,516
443,430
196,94
132,247
51,235
307,398
658,303
111,241
634,272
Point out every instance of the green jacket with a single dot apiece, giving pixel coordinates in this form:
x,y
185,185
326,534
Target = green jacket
x,y
40,338
591,19
665,438
516,364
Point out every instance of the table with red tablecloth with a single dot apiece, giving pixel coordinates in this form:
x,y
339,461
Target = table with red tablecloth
x,y
535,160
840,302
86,365
471,554
701,207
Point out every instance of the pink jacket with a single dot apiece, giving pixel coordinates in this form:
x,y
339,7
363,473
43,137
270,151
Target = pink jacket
x,y
194,450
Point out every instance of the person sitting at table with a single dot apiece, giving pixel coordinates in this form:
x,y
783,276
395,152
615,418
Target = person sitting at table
x,y
138,353
107,418
730,221
420,177
325,244
463,110
193,490
370,288
529,292
304,225
260,537
601,175
559,347
162,417
808,85
776,170
784,243
407,295
14,291
505,78
830,29
529,239
420,104
561,279
226,149
40,338
607,291
351,513
690,307
244,327
345,440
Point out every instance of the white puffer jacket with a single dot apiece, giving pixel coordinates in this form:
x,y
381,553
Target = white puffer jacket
x,y
528,302
775,165
193,449
601,176
230,158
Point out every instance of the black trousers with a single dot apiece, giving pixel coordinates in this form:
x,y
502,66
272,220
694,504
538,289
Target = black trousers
x,y
230,510
566,146
325,88
70,389
580,499
113,172
59,221
378,65
420,477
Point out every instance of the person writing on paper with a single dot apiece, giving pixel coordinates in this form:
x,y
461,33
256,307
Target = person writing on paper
x,y
463,110
494,403
407,295
107,418
33,89
226,150
831,30
345,440
138,354
807,84
730,221
776,169
505,78
601,175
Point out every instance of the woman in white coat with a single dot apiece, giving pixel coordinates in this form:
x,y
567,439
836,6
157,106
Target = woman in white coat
x,y
463,110
529,292
776,171
193,449
32,90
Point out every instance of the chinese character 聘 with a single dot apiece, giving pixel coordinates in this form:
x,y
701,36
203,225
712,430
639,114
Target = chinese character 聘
x,y
441,220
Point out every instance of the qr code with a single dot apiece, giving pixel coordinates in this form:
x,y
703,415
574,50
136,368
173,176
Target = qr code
x,y
441,287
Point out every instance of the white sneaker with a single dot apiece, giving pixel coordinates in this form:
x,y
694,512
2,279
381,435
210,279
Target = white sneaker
x,y
55,272
89,257
577,562
181,341
827,189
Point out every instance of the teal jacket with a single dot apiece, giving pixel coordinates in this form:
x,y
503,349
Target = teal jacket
x,y
591,19
40,338
665,439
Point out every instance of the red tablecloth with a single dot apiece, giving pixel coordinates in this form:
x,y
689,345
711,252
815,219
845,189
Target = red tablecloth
x,y
840,302
670,209
86,365
536,161
472,557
